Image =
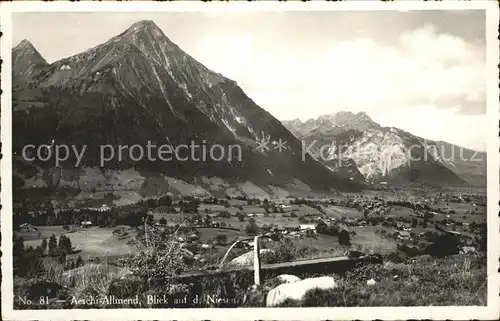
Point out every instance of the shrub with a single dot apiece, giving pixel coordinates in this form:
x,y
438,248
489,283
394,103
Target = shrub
x,y
251,228
127,287
224,214
159,255
344,238
221,239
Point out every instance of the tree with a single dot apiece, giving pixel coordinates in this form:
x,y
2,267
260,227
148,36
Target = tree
x,y
18,246
224,214
162,221
62,258
444,245
151,203
221,239
165,201
65,245
53,251
208,220
189,206
365,213
241,216
321,227
79,261
344,238
43,246
265,204
251,228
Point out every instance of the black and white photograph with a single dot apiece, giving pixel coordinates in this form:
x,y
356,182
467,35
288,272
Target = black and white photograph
x,y
263,156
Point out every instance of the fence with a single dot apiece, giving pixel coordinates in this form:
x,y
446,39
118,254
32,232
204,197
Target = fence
x,y
320,266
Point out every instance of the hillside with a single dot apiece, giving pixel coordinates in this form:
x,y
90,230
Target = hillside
x,y
466,163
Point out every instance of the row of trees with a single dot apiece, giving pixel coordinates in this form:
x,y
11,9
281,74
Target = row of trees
x,y
27,262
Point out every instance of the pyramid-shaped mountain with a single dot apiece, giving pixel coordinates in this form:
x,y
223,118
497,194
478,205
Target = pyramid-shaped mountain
x,y
139,86
27,61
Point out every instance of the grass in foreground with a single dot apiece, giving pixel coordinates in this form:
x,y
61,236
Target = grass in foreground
x,y
425,281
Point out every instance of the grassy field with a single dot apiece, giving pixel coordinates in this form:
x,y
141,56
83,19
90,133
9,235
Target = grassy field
x,y
369,241
93,242
338,212
208,234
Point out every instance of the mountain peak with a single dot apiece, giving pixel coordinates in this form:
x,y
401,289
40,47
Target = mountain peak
x,y
25,47
149,38
360,120
145,29
24,44
26,60
143,25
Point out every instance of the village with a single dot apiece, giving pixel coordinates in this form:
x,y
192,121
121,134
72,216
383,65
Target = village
x,y
443,224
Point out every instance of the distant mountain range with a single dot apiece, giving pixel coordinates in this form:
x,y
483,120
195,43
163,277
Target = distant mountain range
x,y
137,87
377,154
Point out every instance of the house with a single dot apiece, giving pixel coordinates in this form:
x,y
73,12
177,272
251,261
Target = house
x,y
104,208
456,233
285,208
468,250
402,235
86,224
193,237
27,228
306,227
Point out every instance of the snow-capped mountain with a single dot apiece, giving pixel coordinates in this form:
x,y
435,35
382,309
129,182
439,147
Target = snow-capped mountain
x,y
353,144
139,86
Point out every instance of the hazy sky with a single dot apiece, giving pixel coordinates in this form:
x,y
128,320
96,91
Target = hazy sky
x,y
421,71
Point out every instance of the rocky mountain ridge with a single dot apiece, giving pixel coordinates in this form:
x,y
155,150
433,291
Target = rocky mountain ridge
x,y
357,147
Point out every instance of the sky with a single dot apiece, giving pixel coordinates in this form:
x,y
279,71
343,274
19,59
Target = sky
x,y
421,71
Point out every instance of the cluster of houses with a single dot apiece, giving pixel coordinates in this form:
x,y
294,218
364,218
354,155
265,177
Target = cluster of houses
x,y
102,208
